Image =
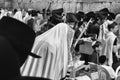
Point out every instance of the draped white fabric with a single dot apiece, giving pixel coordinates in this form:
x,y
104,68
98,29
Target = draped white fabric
x,y
53,47
107,47
18,15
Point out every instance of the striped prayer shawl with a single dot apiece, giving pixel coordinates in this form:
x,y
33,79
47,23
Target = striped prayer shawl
x,y
53,47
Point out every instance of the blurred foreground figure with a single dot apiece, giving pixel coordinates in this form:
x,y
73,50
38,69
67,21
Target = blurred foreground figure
x,y
53,46
16,41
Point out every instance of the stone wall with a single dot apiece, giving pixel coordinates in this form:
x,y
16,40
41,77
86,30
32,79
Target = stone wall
x,y
68,5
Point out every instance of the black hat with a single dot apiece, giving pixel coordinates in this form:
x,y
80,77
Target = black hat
x,y
111,16
32,13
70,17
55,19
89,15
19,34
58,11
99,15
104,11
80,15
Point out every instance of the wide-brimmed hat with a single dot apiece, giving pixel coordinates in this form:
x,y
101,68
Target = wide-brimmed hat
x,y
71,17
90,15
58,11
20,36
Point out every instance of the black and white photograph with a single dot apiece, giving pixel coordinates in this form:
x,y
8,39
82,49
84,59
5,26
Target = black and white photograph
x,y
60,39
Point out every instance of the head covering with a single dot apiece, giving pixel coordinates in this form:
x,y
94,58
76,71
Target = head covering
x,y
117,19
89,15
55,19
80,15
20,36
111,16
56,16
32,12
99,15
58,11
104,12
71,17
18,15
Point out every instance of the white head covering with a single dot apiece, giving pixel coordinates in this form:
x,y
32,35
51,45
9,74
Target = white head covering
x,y
53,47
18,16
117,19
2,13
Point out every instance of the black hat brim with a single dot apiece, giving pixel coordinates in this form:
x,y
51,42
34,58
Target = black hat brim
x,y
34,55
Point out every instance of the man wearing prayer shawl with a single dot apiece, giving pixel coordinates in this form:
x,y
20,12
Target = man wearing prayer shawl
x,y
108,47
117,20
54,48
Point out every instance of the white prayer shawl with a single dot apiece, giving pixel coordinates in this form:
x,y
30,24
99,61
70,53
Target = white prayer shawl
x,y
18,16
104,30
25,19
117,20
53,47
107,48
2,13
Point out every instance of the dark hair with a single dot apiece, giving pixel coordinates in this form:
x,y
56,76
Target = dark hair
x,y
102,59
110,26
111,16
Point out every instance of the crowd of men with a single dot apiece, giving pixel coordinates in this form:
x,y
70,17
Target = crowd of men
x,y
59,38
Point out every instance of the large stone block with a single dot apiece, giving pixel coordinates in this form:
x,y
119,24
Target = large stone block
x,y
79,7
73,7
56,6
106,5
66,7
26,1
115,7
2,1
40,5
60,1
86,7
95,6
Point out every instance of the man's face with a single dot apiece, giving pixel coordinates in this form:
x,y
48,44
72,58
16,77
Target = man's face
x,y
115,29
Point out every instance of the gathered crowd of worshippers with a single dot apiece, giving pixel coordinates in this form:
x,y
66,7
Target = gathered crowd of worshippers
x,y
51,45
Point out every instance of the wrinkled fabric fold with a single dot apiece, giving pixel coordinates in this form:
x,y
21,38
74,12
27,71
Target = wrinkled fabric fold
x,y
54,48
